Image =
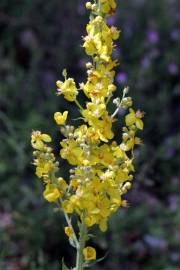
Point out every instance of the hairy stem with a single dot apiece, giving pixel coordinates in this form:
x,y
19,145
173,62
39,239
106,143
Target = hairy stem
x,y
82,241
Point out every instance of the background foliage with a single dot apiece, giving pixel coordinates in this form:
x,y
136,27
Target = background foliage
x,y
38,38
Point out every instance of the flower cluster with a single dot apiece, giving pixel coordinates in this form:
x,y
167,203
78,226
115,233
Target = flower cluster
x,y
102,168
47,166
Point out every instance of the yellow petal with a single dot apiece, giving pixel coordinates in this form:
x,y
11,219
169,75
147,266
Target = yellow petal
x,y
130,119
139,124
60,118
89,253
68,231
39,145
46,138
103,225
51,194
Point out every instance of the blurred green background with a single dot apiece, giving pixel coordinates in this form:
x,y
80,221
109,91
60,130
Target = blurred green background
x,y
38,38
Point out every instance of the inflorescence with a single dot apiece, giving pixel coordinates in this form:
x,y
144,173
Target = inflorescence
x,y
102,169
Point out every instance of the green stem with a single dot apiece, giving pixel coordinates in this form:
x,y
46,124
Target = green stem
x,y
108,99
82,241
68,220
78,104
119,107
116,111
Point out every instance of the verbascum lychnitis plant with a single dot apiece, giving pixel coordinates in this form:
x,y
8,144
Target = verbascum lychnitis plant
x,y
102,168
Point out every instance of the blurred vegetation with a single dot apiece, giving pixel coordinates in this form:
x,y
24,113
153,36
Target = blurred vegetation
x,y
37,40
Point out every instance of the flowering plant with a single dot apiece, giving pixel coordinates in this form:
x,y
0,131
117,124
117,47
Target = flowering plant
x,y
101,167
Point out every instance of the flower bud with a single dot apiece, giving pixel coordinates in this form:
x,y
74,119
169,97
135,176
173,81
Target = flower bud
x,y
68,231
125,136
88,5
98,19
59,84
81,85
115,32
116,101
89,253
126,90
112,87
94,7
89,65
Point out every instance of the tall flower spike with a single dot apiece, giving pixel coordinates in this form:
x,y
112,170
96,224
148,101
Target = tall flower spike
x,y
102,168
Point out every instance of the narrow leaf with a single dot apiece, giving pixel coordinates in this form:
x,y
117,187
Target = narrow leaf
x,y
96,261
72,243
64,267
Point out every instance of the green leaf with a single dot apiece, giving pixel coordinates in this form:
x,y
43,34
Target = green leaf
x,y
64,267
72,242
95,261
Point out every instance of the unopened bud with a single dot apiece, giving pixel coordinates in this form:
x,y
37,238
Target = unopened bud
x,y
127,185
64,73
62,130
125,204
81,85
94,7
126,90
116,101
49,149
59,84
89,65
111,87
98,19
125,136
88,5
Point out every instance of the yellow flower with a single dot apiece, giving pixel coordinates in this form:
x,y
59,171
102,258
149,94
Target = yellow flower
x,y
108,6
44,167
51,193
89,45
89,253
71,151
90,220
93,112
68,206
115,32
122,175
62,185
68,89
68,231
74,184
38,139
60,118
104,128
134,118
